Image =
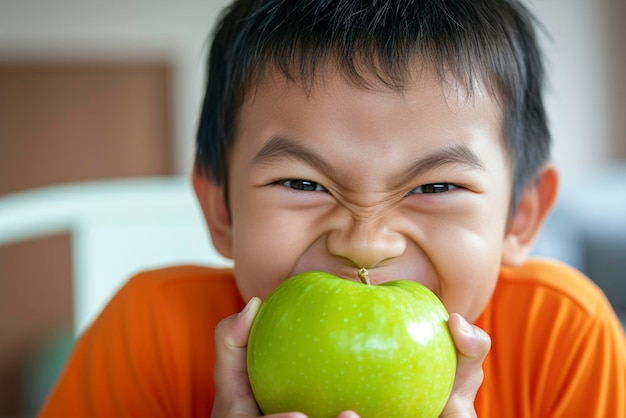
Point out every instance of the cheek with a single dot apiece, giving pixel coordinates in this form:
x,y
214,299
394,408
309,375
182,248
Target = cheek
x,y
260,256
465,253
468,278
267,245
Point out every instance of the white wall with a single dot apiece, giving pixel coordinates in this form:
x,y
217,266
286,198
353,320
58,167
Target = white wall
x,y
578,57
579,97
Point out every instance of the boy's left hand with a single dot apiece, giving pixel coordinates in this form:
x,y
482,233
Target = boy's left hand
x,y
472,346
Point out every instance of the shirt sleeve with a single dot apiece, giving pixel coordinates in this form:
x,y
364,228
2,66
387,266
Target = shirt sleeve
x,y
150,353
558,349
593,377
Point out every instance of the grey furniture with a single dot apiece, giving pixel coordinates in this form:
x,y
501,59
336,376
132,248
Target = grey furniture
x,y
587,229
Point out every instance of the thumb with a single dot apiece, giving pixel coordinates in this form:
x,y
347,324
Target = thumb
x,y
233,395
472,345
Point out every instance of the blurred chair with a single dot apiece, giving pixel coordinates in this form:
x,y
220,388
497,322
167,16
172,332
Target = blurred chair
x,y
118,228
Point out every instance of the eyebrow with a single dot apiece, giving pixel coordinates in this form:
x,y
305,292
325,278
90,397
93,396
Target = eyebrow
x,y
453,154
283,147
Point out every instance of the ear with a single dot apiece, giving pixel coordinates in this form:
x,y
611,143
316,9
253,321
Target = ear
x,y
534,206
212,199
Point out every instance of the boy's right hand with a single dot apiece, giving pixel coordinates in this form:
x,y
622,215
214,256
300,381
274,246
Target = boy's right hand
x,y
233,395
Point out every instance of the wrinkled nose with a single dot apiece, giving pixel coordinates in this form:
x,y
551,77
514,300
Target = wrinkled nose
x,y
366,243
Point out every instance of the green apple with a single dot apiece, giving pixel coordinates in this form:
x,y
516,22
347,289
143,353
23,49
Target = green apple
x,y
321,344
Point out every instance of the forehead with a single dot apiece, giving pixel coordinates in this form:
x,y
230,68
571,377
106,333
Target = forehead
x,y
425,91
459,89
376,73
338,117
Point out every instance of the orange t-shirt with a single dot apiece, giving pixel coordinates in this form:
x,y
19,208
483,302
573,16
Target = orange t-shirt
x,y
557,348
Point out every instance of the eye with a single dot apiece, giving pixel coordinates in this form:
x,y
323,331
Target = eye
x,y
303,185
433,188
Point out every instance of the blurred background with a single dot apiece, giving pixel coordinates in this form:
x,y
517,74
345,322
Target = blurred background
x,y
101,99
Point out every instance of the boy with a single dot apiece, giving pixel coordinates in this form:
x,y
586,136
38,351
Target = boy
x,y
407,137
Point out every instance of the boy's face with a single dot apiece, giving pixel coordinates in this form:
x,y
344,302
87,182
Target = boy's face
x,y
411,185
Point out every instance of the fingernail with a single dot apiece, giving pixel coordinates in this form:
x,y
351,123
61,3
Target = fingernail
x,y
251,308
243,323
464,326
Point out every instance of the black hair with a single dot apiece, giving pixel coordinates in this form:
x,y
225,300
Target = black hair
x,y
488,42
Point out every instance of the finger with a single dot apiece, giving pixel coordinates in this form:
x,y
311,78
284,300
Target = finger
x,y
472,345
233,395
348,414
345,414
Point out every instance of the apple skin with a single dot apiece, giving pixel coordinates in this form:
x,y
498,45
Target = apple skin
x,y
321,344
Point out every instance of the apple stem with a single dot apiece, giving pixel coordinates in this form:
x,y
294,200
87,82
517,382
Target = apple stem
x,y
364,276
